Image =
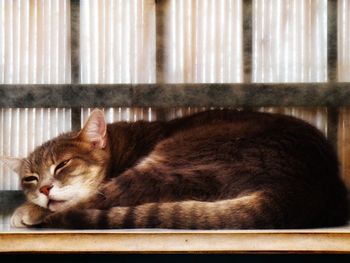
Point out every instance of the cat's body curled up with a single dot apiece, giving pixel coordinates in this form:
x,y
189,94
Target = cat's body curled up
x,y
216,169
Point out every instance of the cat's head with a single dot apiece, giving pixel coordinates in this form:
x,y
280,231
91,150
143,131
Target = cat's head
x,y
66,170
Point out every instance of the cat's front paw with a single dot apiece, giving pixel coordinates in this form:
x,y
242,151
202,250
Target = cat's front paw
x,y
28,215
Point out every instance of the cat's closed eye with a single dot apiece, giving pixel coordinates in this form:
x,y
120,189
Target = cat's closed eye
x,y
61,165
30,179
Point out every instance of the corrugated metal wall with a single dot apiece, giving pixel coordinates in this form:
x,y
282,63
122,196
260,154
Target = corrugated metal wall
x,y
203,43
34,41
197,49
117,41
34,48
290,41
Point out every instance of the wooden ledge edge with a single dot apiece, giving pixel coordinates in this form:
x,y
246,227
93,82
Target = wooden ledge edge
x,y
175,242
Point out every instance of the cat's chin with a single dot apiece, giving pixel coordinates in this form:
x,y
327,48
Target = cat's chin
x,y
55,206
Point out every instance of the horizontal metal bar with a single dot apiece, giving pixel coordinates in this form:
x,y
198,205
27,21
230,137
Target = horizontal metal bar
x,y
176,95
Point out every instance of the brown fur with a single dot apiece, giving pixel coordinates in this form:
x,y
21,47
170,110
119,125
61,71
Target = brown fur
x,y
216,169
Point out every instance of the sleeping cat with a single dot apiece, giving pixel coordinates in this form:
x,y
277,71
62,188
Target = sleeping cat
x,y
213,170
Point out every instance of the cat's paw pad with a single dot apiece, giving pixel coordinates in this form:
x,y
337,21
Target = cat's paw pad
x,y
27,215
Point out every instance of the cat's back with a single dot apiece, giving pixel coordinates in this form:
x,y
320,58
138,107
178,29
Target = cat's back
x,y
252,151
238,125
221,156
234,141
242,120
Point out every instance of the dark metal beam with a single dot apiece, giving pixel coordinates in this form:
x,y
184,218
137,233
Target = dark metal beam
x,y
160,37
332,125
332,43
247,40
332,40
160,50
75,40
176,95
75,56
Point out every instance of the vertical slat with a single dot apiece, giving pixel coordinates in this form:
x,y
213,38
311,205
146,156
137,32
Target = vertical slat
x,y
2,40
16,39
8,53
160,37
203,41
60,35
39,42
46,40
84,36
126,76
332,42
118,42
75,40
343,40
290,40
15,144
32,59
247,39
2,149
160,50
101,41
75,56
7,145
50,52
24,33
55,20
109,52
134,39
344,144
332,125
76,119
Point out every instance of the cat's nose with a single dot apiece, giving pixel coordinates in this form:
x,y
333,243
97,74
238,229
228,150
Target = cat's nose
x,y
45,189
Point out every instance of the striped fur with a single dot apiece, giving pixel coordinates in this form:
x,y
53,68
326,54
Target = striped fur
x,y
241,212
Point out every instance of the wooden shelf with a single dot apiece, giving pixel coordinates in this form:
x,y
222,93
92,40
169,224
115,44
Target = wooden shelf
x,y
335,240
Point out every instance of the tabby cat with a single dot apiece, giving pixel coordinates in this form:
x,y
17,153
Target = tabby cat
x,y
212,170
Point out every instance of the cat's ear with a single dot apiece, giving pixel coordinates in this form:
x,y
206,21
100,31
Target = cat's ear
x,y
12,162
95,129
